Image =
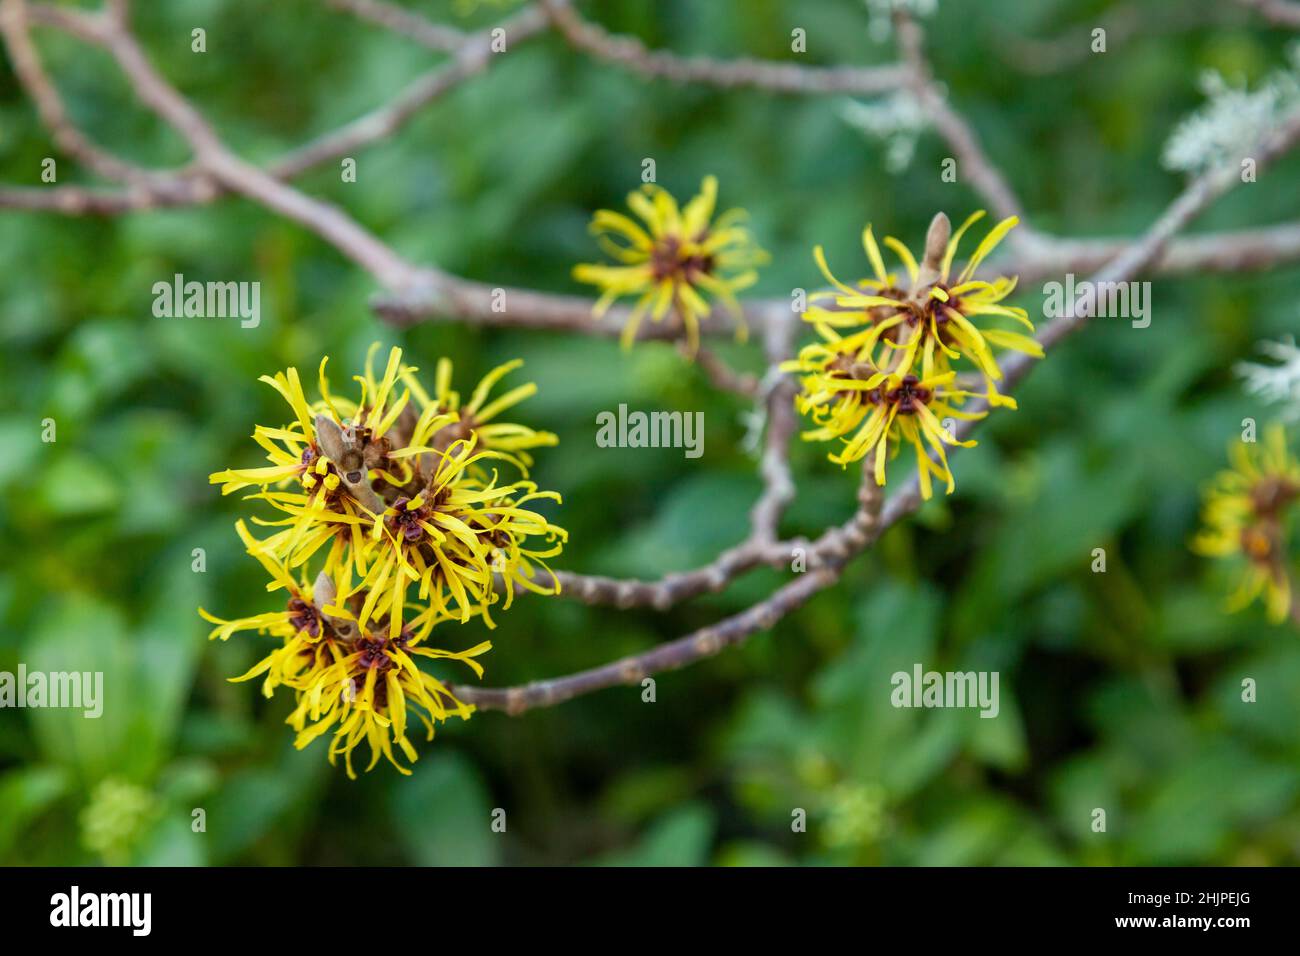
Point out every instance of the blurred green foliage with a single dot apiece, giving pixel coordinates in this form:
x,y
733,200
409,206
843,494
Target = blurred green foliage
x,y
1119,690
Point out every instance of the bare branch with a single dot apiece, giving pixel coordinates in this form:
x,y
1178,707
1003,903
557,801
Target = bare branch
x,y
776,77
88,201
1232,251
974,164
235,174
695,646
14,24
402,21
472,57
671,589
1194,199
721,375
837,547
196,187
454,299
774,463
762,545
1122,25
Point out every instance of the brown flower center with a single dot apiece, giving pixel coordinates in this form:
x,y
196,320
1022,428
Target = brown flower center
x,y
908,395
1270,495
667,261
405,523
1257,543
304,617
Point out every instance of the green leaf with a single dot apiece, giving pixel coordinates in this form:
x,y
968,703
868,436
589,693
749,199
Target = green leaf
x,y
84,636
24,795
444,813
679,838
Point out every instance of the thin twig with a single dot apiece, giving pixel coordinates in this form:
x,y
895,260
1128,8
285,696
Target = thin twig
x,y
781,425
234,173
15,25
401,21
856,534
152,190
471,57
762,545
973,164
776,77
721,376
1122,25
1240,250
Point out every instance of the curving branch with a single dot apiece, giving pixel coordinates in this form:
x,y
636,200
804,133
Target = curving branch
x,y
1124,24
470,57
721,375
401,21
775,77
830,554
972,161
1243,250
15,25
158,189
237,175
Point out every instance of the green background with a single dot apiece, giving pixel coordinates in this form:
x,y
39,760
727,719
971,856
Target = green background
x,y
1119,690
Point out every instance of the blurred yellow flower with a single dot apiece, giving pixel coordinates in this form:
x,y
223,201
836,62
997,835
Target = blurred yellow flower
x,y
1246,513
477,417
674,262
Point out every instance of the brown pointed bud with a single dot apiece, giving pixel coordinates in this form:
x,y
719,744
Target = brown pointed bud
x,y
337,446
324,594
936,244
329,436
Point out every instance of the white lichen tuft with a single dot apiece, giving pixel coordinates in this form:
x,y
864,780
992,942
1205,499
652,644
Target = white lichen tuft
x,y
1233,120
1278,382
880,14
896,120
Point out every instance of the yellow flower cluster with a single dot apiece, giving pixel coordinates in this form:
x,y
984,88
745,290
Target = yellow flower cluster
x,y
884,372
397,499
674,260
1246,513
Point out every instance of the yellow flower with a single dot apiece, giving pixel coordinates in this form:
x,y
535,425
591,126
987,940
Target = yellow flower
x,y
448,536
338,451
928,323
877,411
477,416
675,262
884,372
300,616
1245,514
390,492
364,688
